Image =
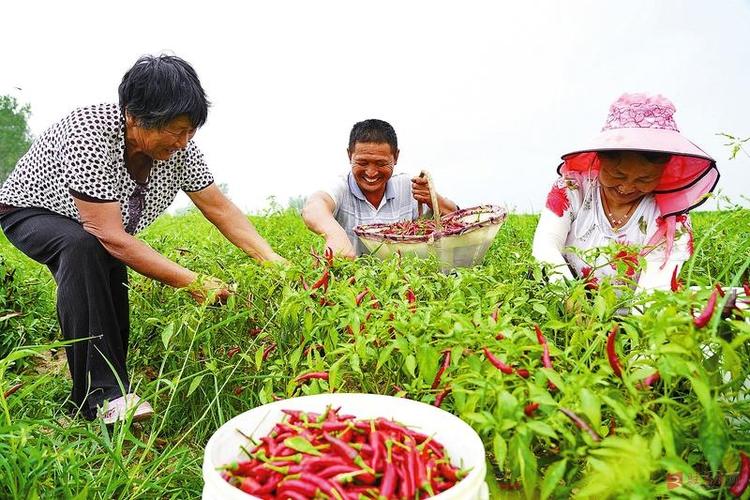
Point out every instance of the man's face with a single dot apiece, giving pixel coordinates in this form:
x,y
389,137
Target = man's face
x,y
372,165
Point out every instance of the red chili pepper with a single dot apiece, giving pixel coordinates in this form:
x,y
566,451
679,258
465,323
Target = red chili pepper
x,y
311,376
12,390
612,425
523,372
495,315
719,289
746,287
705,316
530,408
444,366
649,381
231,352
496,362
581,424
388,483
328,256
361,296
614,360
439,398
676,284
412,300
546,359
254,332
499,336
238,390
740,484
323,281
268,350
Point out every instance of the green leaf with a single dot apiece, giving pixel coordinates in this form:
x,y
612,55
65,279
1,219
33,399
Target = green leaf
x,y
713,438
552,477
410,365
298,443
194,384
591,407
542,429
166,334
384,356
500,449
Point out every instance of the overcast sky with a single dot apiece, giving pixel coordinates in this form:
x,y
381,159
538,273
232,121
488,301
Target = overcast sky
x,y
485,95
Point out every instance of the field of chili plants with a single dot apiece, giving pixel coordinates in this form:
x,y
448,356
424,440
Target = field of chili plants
x,y
564,407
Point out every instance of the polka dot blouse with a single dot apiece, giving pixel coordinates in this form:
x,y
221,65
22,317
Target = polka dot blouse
x,y
84,153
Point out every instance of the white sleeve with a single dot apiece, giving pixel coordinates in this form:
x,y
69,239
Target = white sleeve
x,y
549,241
336,188
656,276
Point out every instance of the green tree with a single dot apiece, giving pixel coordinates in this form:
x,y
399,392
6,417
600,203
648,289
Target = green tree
x,y
15,137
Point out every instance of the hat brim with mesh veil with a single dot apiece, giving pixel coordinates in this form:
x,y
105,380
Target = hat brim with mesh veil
x,y
688,177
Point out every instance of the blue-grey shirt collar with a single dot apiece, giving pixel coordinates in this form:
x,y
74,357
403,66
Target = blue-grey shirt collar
x,y
390,193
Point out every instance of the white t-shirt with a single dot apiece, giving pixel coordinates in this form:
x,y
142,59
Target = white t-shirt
x,y
574,221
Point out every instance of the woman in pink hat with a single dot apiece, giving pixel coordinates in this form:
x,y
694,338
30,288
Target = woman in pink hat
x,y
629,189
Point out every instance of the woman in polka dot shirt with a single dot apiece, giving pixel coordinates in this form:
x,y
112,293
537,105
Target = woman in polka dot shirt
x,y
86,186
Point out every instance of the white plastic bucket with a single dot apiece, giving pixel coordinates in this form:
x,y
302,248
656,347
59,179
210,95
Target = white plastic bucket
x,y
462,444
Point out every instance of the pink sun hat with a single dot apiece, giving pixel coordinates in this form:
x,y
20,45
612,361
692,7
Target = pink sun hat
x,y
645,122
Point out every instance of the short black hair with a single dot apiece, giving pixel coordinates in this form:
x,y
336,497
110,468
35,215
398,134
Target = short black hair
x,y
654,157
373,130
158,89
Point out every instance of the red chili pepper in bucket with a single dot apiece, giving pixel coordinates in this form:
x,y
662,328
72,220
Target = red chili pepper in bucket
x,y
614,361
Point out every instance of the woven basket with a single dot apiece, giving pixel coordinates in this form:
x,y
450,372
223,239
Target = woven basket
x,y
454,248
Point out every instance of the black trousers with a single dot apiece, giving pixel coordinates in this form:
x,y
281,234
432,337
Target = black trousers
x,y
92,300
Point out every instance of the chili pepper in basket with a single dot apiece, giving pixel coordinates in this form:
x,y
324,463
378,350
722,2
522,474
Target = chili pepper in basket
x,y
740,484
614,360
705,316
496,362
443,366
581,424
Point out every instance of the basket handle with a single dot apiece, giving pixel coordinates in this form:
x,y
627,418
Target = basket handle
x,y
433,196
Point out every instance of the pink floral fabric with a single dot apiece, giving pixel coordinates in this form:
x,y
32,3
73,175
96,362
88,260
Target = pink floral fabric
x,y
641,111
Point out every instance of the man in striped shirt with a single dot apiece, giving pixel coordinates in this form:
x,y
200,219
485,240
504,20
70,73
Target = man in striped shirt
x,y
369,193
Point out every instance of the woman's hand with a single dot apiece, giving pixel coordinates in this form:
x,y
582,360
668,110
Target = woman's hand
x,y
209,288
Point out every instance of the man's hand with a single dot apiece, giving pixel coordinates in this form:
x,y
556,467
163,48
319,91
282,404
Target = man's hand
x,y
420,190
341,245
209,288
